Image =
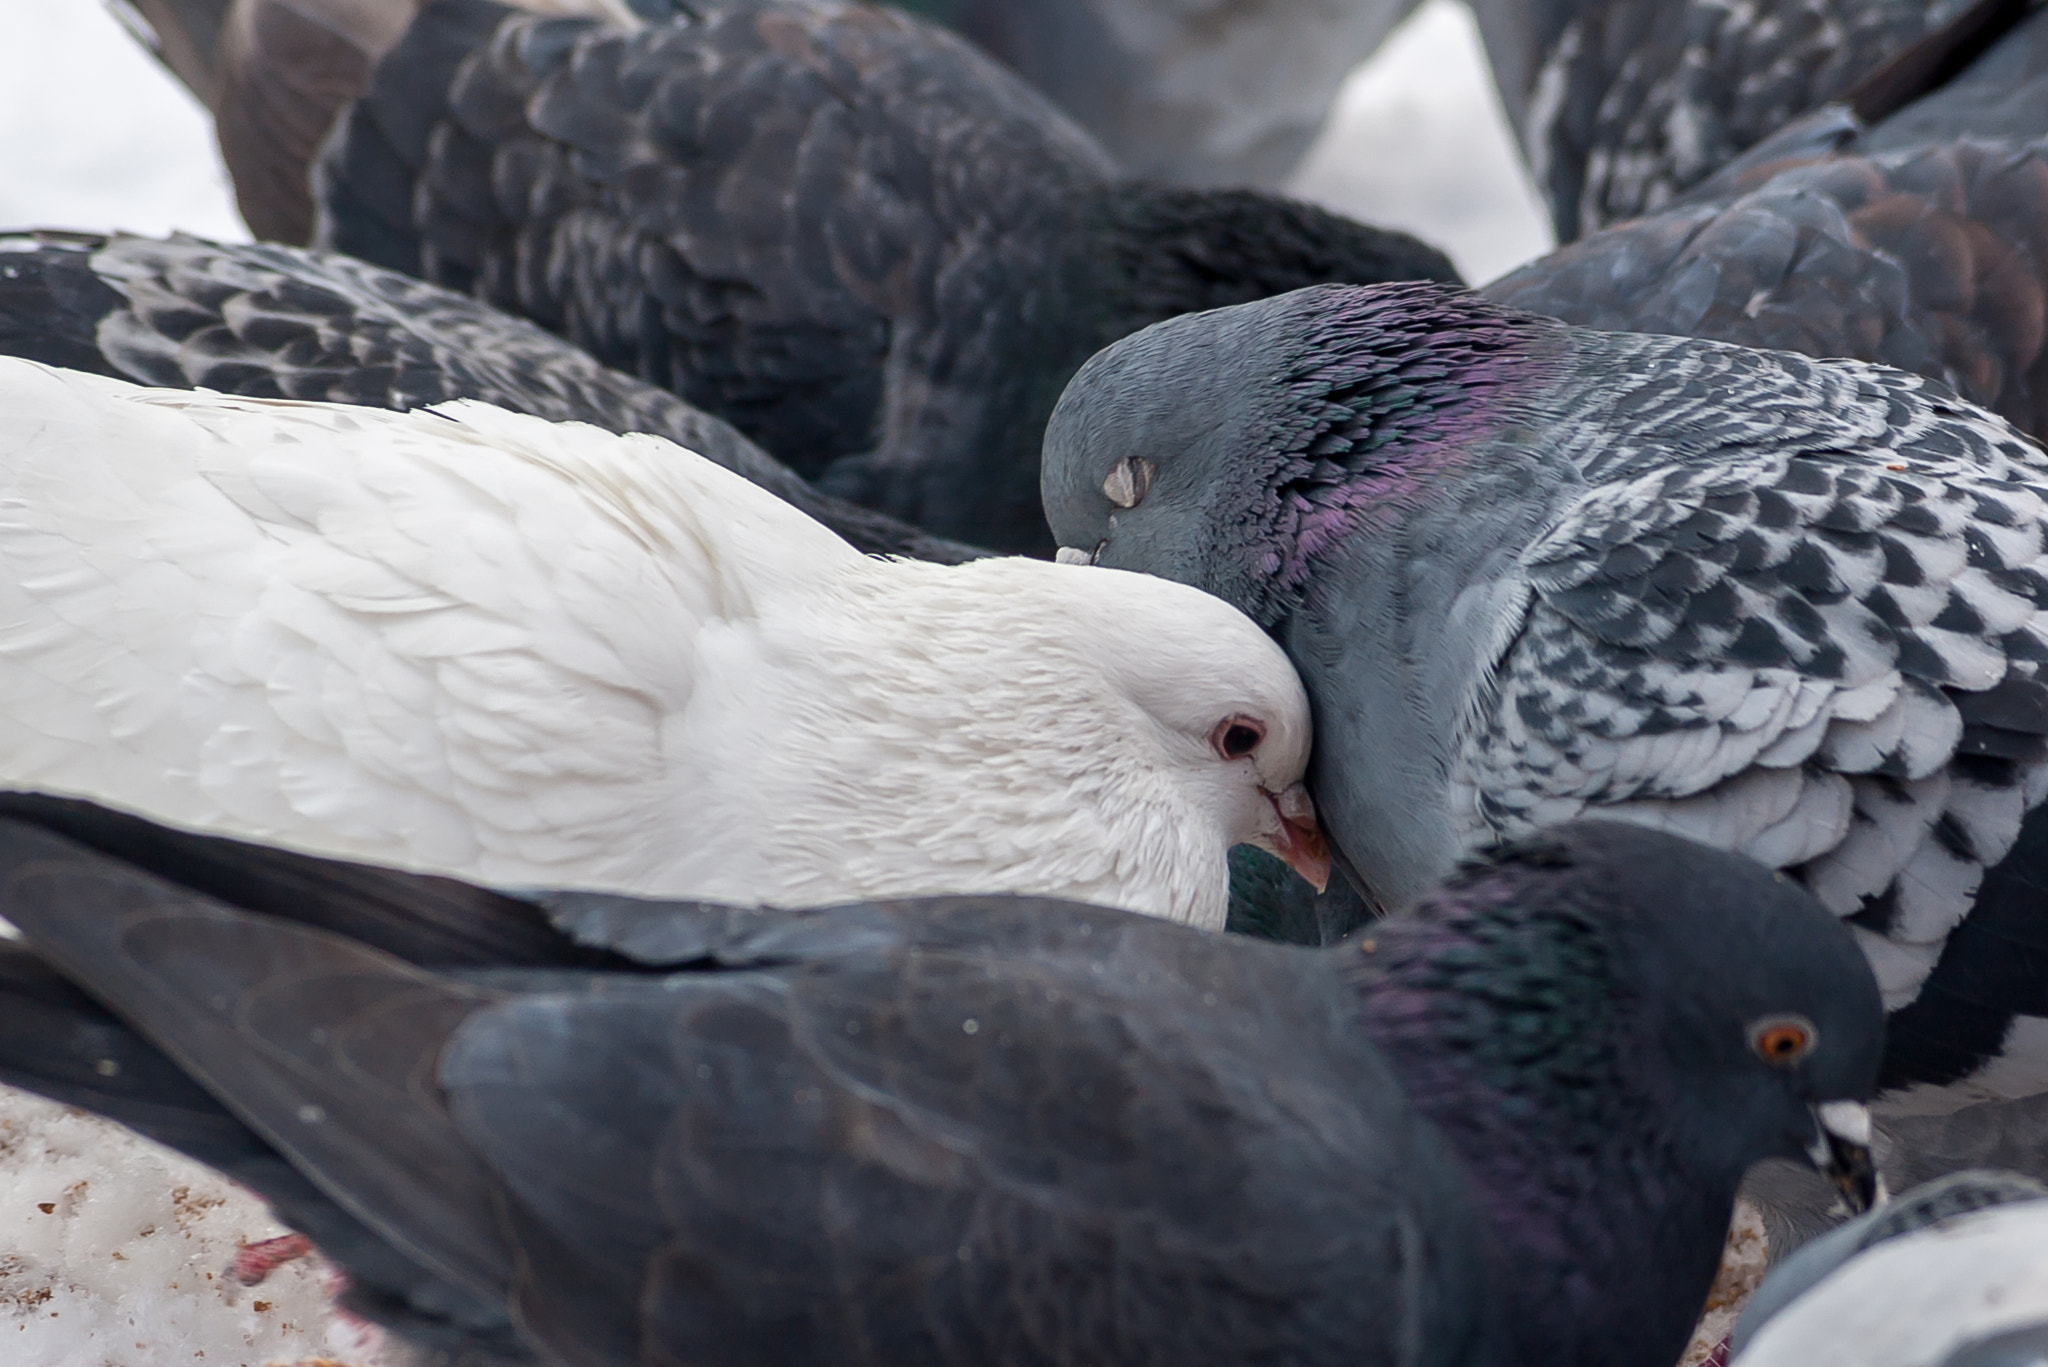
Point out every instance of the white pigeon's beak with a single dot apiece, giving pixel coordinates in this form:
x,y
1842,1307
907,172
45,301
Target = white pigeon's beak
x,y
1300,840
1067,555
1841,1151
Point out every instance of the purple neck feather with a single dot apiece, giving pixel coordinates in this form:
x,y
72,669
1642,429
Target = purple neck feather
x,y
1394,387
1586,1200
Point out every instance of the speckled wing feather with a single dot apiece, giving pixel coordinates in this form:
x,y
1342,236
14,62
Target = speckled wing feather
x,y
1629,103
738,204
1922,243
1806,623
270,321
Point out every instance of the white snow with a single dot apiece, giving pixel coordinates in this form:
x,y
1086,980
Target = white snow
x,y
95,135
1418,141
115,1253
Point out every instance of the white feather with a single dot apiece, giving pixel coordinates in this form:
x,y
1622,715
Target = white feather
x,y
540,654
1890,823
1901,970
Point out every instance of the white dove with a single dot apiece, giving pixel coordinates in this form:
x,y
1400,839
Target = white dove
x,y
474,642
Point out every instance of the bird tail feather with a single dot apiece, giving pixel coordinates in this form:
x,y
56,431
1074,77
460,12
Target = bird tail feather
x,y
316,1044
278,75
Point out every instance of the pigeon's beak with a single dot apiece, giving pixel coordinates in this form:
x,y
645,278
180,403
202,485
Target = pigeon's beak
x,y
1841,1151
1300,840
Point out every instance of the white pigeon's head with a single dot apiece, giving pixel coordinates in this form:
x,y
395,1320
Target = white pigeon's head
x,y
1213,710
1015,726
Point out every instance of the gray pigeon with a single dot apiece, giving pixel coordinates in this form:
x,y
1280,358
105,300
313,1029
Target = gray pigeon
x,y
280,322
1918,240
846,232
1951,1274
1529,572
1505,1132
1205,92
1624,105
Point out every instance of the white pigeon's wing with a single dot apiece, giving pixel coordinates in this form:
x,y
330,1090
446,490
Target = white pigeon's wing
x,y
447,639
1823,654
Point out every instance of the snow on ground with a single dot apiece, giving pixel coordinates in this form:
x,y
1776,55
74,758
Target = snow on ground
x,y
1418,141
114,1253
1744,1261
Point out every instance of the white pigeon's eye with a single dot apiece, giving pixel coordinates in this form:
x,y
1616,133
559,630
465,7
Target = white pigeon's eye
x,y
1235,737
1782,1040
1128,480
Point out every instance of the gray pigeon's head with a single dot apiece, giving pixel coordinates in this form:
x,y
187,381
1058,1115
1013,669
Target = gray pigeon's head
x,y
1692,971
1226,449
1610,1025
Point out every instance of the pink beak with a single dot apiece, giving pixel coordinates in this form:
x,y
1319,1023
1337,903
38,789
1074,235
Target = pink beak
x,y
1300,841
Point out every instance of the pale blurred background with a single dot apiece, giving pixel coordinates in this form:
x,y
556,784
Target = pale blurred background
x,y
95,135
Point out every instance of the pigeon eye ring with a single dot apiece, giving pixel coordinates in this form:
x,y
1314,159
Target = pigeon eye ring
x,y
1237,736
1782,1040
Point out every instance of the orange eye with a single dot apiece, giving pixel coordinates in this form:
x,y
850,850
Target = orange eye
x,y
1783,1040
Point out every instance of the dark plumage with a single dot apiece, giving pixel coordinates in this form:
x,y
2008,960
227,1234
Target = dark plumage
x,y
1528,571
864,244
1624,105
1270,901
1919,240
1506,1131
281,322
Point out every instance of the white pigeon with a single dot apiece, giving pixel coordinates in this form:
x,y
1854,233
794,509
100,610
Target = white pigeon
x,y
475,642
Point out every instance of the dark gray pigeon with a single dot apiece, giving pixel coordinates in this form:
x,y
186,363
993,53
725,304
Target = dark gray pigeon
x,y
1951,1274
1505,1131
1621,106
1918,240
280,322
1624,105
1529,572
846,232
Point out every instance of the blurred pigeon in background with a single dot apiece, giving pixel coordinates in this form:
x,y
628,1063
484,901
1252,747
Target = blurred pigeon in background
x,y
1205,92
1624,105
1919,241
863,243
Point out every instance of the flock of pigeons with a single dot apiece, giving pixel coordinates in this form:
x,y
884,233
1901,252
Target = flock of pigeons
x,y
766,532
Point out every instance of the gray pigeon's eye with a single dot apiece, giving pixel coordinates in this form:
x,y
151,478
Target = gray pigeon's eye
x,y
1782,1040
1236,737
1128,480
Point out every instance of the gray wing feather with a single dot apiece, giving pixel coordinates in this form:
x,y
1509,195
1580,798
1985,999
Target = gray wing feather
x,y
1808,626
863,1159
